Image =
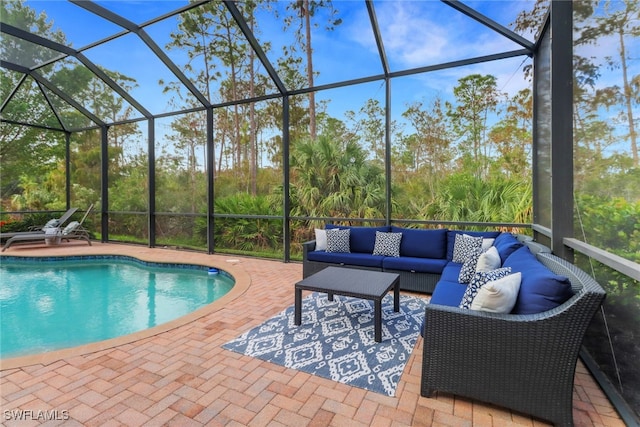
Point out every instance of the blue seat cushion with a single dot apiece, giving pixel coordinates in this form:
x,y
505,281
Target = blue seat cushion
x,y
540,288
448,293
506,244
362,239
451,238
420,265
422,243
352,258
451,272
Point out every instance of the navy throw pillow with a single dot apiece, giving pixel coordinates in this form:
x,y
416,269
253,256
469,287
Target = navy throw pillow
x,y
540,289
506,244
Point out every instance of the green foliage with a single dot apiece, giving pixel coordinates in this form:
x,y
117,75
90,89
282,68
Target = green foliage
x,y
246,234
27,223
333,179
463,197
612,224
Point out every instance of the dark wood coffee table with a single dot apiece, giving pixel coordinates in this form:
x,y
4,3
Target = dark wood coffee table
x,y
365,284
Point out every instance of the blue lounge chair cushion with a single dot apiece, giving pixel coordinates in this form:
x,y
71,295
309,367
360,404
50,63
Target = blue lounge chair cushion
x,y
446,293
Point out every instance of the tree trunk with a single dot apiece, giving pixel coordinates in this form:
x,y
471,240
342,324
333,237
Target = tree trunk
x,y
628,99
312,97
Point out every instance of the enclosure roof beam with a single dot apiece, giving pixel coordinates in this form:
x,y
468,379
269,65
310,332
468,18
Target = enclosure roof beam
x,y
461,7
376,32
142,34
18,68
420,70
31,125
46,83
33,38
237,16
51,106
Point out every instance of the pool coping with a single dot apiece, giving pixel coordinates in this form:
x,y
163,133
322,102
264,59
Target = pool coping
x,y
242,283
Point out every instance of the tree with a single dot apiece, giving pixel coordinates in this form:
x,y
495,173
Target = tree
x,y
370,128
620,23
335,180
210,35
477,96
188,135
512,136
305,10
25,150
429,146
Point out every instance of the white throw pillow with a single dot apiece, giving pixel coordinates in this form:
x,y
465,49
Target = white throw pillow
x,y
488,260
479,280
321,239
487,243
498,296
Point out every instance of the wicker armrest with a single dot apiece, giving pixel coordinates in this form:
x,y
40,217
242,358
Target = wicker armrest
x,y
307,247
501,341
523,362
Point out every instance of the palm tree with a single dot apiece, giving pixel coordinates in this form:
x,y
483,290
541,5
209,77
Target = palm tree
x,y
333,179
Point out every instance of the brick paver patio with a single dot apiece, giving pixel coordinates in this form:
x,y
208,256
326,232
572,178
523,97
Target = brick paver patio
x,y
184,377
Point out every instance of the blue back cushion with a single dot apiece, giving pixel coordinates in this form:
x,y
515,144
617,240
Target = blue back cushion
x,y
362,239
506,244
451,238
540,289
422,243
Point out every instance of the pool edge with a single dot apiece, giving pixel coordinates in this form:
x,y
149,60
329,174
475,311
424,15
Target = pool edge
x,y
242,283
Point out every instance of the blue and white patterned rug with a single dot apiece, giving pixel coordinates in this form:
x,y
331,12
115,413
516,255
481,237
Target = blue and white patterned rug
x,y
336,340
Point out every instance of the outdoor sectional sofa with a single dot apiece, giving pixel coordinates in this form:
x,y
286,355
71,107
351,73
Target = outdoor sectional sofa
x,y
424,254
523,359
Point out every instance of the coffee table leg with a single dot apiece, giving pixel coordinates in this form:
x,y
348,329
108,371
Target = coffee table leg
x,y
297,317
377,317
396,296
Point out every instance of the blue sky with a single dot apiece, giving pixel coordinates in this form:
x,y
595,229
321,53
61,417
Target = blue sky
x,y
415,34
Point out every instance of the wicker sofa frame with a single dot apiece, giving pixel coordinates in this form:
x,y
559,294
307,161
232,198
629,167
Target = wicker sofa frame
x,y
522,362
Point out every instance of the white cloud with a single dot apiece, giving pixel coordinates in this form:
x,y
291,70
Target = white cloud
x,y
409,37
417,34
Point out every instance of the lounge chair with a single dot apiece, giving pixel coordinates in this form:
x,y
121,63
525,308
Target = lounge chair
x,y
52,223
73,231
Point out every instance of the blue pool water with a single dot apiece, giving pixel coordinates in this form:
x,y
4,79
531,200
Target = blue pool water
x,y
59,303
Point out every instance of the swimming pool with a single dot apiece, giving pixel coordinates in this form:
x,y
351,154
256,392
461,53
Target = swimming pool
x,y
61,302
